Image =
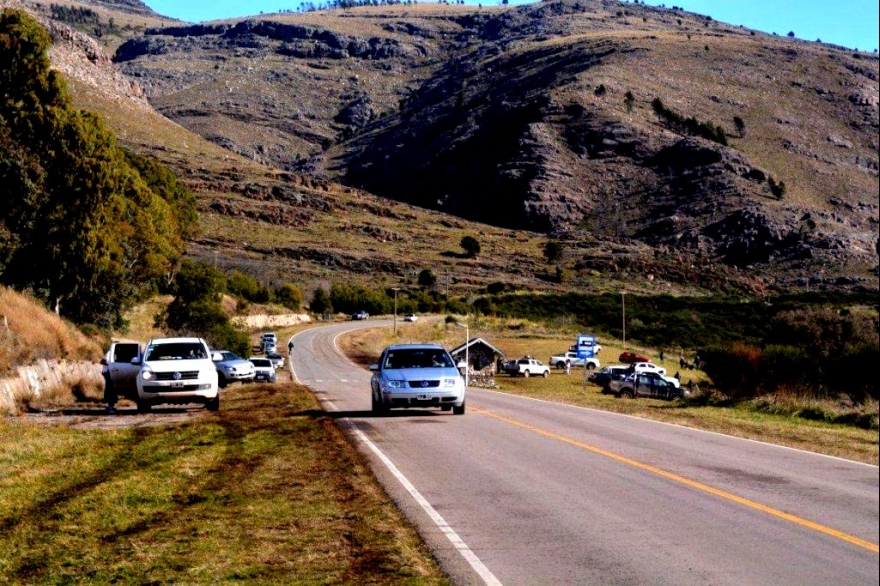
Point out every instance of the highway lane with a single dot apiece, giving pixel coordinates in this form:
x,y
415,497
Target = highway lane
x,y
527,492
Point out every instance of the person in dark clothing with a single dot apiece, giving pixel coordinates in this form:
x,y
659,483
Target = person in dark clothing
x,y
111,397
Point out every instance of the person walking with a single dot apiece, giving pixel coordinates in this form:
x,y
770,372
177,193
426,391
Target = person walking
x,y
568,367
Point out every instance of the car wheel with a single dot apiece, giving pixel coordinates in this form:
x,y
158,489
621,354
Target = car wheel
x,y
378,405
591,366
625,394
459,410
527,374
213,404
546,373
221,381
144,407
560,365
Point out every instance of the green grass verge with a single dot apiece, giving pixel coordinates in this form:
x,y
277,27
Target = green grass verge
x,y
266,491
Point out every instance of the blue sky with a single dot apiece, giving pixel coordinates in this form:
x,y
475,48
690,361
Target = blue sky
x,y
849,23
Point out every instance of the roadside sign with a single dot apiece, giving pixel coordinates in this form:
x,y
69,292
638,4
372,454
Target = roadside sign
x,y
586,345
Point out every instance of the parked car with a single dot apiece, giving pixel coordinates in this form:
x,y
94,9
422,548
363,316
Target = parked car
x,y
232,368
270,348
647,366
526,366
268,339
630,357
571,358
410,317
597,348
417,375
177,371
360,315
607,374
647,384
264,371
276,359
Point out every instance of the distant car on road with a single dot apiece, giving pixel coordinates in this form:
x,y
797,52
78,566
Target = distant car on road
x,y
417,375
360,315
264,371
232,368
410,317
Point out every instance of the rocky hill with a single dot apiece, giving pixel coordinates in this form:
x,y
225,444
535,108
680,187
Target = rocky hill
x,y
650,141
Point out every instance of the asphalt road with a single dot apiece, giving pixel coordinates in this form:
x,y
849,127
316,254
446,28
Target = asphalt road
x,y
525,492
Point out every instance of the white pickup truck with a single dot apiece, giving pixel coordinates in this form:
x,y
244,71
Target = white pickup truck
x,y
526,366
560,360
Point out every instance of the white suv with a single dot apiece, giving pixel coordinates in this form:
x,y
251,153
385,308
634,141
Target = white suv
x,y
177,371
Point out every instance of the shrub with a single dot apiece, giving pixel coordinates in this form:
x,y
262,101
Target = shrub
x,y
289,296
470,245
735,370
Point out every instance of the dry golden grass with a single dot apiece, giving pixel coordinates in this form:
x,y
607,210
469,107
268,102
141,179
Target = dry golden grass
x,y
28,333
266,491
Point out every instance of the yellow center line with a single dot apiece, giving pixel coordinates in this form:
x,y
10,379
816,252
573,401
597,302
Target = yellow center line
x,y
688,482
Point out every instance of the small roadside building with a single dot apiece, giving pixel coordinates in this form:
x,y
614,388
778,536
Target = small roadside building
x,y
482,359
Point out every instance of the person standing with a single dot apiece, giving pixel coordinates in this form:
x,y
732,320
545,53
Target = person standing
x,y
111,397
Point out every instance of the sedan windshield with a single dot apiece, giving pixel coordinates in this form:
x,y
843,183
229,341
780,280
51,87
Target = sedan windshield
x,y
417,358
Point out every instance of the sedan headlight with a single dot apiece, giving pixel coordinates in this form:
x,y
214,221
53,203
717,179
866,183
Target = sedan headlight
x,y
394,384
147,374
449,382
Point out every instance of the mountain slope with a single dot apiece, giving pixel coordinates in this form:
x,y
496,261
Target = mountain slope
x,y
519,118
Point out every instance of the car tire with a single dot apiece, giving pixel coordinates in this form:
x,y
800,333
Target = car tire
x,y
213,404
625,394
546,373
222,382
143,407
591,366
378,406
560,365
459,410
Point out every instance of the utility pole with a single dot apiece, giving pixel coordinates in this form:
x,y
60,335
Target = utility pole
x,y
396,289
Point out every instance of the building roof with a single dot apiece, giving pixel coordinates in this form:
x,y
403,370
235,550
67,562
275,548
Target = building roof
x,y
476,341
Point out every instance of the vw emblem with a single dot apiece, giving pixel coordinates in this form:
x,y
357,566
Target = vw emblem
x,y
177,376
424,384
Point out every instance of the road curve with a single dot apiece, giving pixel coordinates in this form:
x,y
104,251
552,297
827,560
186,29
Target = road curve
x,y
526,492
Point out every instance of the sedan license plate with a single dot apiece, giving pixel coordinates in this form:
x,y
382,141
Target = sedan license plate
x,y
177,385
423,397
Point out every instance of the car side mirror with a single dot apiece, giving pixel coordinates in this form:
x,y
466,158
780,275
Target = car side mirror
x,y
374,367
136,360
462,367
103,361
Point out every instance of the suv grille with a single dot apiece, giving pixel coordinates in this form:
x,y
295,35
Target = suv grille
x,y
184,375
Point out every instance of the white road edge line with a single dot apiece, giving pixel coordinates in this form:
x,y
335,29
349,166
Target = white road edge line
x,y
470,557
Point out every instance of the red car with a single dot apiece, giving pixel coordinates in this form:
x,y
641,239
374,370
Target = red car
x,y
630,357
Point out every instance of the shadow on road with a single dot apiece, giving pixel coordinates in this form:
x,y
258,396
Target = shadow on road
x,y
402,413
